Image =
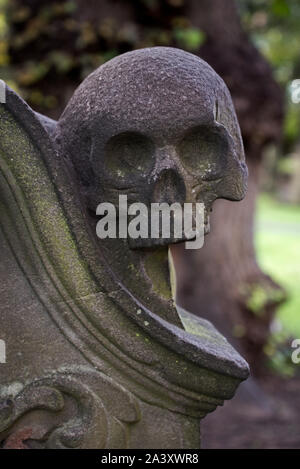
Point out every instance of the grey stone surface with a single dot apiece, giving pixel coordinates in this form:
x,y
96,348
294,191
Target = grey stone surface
x,y
98,355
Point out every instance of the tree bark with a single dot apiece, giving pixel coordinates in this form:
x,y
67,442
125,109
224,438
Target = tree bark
x,y
223,281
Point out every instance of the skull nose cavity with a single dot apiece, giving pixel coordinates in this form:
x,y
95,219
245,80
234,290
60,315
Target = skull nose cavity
x,y
169,187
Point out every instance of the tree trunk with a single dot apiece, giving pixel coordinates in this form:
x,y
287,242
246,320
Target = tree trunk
x,y
223,282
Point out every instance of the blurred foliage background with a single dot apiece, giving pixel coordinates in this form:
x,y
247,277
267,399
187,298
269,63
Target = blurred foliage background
x,y
43,42
48,47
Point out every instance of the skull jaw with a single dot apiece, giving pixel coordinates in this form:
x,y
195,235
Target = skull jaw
x,y
159,242
148,277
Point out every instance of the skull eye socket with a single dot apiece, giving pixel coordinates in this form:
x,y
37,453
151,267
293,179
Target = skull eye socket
x,y
204,152
129,154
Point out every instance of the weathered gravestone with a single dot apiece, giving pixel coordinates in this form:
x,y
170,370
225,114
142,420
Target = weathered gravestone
x,y
97,355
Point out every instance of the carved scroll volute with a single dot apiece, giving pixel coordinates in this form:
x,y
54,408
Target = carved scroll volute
x,y
77,408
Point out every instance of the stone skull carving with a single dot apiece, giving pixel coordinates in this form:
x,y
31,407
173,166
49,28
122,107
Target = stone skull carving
x,y
157,125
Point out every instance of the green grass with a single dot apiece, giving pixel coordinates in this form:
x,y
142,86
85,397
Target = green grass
x,y
278,248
